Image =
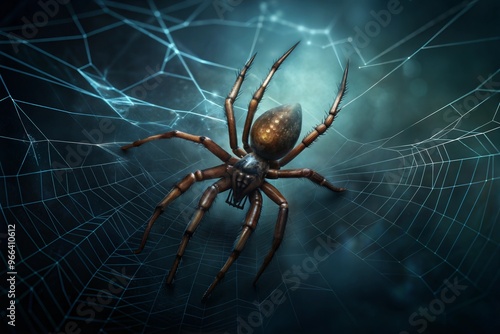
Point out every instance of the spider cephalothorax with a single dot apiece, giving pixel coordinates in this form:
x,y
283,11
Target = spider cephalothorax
x,y
248,175
273,138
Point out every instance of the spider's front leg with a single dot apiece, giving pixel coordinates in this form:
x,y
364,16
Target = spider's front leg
x,y
212,146
181,187
279,229
204,204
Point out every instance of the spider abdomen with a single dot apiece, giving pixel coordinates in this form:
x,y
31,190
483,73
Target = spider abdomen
x,y
276,131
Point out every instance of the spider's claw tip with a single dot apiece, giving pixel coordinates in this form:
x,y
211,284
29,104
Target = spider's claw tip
x,y
137,251
170,278
254,283
205,297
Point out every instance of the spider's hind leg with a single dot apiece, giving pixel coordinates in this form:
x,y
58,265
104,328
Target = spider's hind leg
x,y
249,226
321,128
257,97
303,173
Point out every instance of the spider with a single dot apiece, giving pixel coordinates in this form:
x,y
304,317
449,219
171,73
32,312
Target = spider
x,y
273,136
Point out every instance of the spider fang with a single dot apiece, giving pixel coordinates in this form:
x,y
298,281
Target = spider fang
x,y
231,200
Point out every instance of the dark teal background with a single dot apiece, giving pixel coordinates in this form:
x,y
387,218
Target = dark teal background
x,y
416,144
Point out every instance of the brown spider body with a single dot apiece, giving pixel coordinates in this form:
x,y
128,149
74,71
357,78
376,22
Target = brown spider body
x,y
273,138
276,131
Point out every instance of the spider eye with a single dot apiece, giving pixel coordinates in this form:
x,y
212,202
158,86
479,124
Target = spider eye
x,y
276,131
243,179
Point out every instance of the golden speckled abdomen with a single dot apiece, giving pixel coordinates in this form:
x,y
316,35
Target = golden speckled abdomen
x,y
276,131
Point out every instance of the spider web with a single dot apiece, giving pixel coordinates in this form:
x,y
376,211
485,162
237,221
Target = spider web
x,y
416,144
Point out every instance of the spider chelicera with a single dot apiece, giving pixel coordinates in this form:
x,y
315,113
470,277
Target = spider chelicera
x,y
272,145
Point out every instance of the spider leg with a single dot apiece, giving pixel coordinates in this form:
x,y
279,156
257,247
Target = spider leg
x,y
218,151
321,128
179,188
228,107
257,96
249,226
204,204
279,230
303,172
